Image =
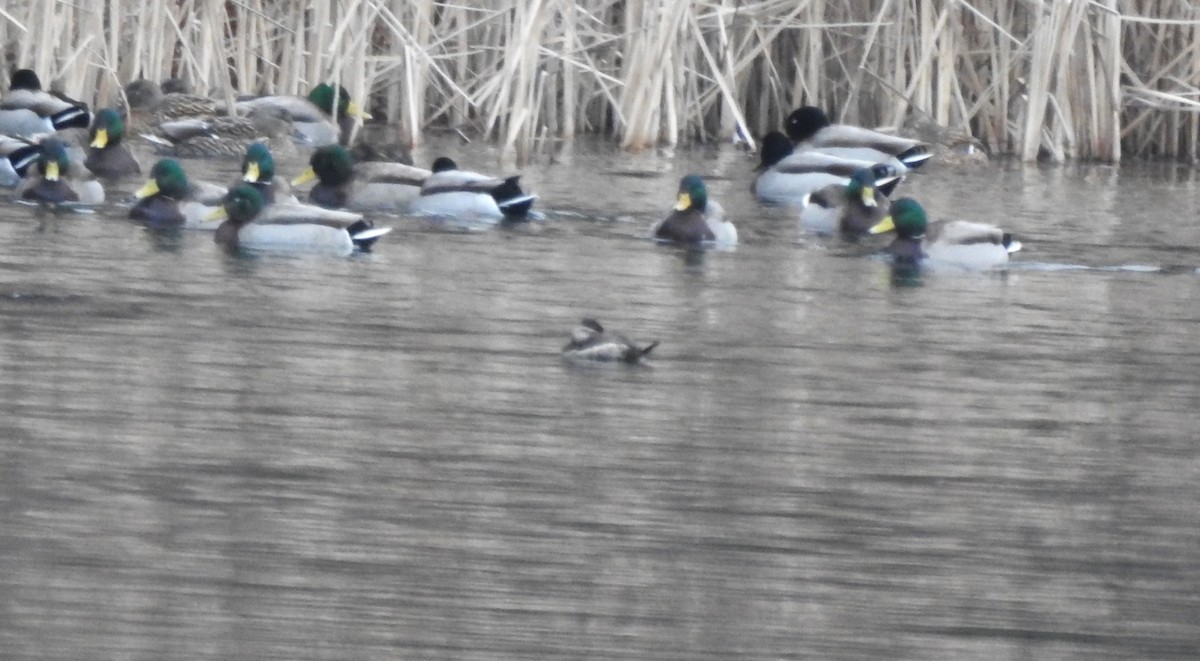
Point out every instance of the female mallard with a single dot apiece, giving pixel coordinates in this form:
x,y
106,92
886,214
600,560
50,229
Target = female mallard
x,y
324,117
590,342
373,186
848,210
955,243
185,125
169,199
451,192
106,155
786,176
56,182
810,127
251,224
695,219
258,169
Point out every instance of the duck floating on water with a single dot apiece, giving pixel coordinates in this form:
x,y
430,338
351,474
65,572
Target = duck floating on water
x,y
325,117
462,194
809,126
186,125
28,110
107,155
591,343
785,175
170,200
58,180
258,170
250,223
958,244
372,186
848,210
695,219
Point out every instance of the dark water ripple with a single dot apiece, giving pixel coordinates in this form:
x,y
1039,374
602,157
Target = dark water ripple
x,y
383,457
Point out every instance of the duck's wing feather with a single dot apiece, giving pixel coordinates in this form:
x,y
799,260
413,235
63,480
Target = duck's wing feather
x,y
452,181
289,213
391,173
181,106
963,232
845,135
206,192
298,108
812,161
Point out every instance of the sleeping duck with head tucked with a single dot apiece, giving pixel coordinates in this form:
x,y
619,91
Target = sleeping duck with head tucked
x,y
785,175
28,110
453,193
809,127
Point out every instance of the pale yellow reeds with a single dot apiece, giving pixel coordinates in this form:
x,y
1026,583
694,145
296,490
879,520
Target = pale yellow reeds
x,y
1094,79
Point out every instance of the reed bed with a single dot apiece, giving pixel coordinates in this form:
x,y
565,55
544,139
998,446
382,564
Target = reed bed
x,y
1085,79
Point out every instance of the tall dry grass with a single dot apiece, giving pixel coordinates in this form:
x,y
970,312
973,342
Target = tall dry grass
x,y
1093,79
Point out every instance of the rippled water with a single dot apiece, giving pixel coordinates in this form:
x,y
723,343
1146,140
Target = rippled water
x,y
383,457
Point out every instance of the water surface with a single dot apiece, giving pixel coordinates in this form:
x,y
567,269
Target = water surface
x,y
383,457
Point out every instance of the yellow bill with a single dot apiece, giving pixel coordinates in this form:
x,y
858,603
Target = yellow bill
x,y
217,214
101,139
305,177
151,188
52,172
885,225
353,110
684,203
868,197
252,173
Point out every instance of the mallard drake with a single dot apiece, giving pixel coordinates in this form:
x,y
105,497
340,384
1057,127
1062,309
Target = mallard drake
x,y
809,126
314,115
372,186
786,175
57,181
591,343
258,169
17,158
169,199
28,110
695,219
106,155
451,192
186,125
25,92
848,210
289,227
957,244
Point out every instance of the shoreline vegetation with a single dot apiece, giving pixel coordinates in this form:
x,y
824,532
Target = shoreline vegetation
x,y
1053,79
